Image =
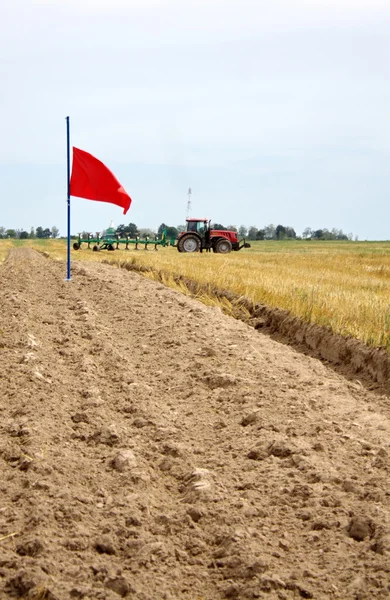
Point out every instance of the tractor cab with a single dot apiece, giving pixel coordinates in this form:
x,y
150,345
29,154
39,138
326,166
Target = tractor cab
x,y
198,225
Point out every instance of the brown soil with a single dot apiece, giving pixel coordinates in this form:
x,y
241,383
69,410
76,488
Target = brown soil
x,y
153,448
348,356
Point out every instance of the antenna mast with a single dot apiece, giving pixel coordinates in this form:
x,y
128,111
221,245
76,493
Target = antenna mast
x,y
189,193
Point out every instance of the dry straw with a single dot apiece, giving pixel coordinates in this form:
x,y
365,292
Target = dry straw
x,y
341,285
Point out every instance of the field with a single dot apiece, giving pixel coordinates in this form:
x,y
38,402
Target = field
x,y
153,448
341,285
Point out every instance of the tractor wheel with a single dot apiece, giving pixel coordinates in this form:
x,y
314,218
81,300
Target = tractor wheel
x,y
96,248
223,246
189,243
76,246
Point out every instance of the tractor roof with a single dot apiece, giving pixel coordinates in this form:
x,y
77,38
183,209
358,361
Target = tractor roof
x,y
193,219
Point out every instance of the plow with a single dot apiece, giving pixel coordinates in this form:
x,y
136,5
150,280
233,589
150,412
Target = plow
x,y
112,240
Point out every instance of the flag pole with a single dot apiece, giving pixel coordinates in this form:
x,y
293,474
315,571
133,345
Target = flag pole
x,y
68,278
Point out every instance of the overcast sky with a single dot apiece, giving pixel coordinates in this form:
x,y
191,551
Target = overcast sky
x,y
272,111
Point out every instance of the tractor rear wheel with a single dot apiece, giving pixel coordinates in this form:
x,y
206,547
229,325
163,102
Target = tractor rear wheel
x,y
223,246
189,243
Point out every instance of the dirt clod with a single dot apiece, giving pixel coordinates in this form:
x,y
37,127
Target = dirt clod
x,y
120,586
249,419
31,547
360,528
105,545
123,460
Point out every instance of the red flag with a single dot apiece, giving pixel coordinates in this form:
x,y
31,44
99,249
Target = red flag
x,y
92,180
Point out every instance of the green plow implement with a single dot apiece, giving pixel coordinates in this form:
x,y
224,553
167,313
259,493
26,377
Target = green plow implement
x,y
111,240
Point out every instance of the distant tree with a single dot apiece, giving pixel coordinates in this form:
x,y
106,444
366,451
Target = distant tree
x,y
231,228
269,232
39,232
260,234
2,232
23,235
283,232
181,228
146,232
218,226
32,233
10,233
280,232
121,229
290,233
172,232
242,231
252,232
307,233
46,233
339,234
325,234
161,229
132,230
54,232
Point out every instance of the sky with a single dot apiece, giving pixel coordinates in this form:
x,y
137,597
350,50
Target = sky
x,y
272,111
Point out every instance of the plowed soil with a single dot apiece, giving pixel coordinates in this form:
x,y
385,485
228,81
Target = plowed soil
x,y
153,448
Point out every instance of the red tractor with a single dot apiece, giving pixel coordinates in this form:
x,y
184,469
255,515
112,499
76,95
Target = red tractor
x,y
199,236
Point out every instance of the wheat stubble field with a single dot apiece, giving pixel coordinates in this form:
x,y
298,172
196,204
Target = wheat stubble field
x,y
341,285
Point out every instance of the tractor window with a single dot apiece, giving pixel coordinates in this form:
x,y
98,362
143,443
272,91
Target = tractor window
x,y
198,226
191,226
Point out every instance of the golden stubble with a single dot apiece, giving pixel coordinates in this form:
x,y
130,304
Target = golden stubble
x,y
341,285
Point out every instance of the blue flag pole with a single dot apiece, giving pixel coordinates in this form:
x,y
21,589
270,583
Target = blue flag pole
x,y
68,278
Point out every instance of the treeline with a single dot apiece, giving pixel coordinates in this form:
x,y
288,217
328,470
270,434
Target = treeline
x,y
285,232
269,232
132,231
325,234
21,234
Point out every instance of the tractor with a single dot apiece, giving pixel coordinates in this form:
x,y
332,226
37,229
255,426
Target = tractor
x,y
199,236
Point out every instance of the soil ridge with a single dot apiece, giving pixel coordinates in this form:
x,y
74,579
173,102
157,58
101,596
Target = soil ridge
x,y
349,356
